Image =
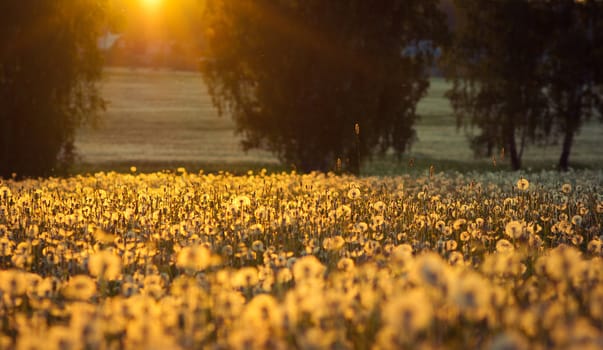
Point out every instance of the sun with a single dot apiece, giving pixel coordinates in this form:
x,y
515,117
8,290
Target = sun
x,y
151,4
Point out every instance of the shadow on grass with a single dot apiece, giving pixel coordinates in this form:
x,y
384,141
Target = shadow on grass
x,y
238,168
379,166
391,166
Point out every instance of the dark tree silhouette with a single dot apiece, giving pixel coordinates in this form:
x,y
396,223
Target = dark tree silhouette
x,y
494,63
48,65
526,71
571,62
298,76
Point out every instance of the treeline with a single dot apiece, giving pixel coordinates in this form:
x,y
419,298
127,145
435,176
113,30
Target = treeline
x,y
526,72
324,85
328,84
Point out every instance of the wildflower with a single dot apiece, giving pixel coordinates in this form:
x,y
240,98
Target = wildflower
x,y
470,293
458,223
408,314
523,184
378,206
240,202
450,245
514,229
333,243
509,341
577,220
246,277
503,246
595,247
257,246
262,311
345,264
354,193
432,270
308,267
566,188
13,282
194,258
105,265
80,287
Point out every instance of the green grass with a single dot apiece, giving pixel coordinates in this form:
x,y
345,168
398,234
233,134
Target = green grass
x,y
161,119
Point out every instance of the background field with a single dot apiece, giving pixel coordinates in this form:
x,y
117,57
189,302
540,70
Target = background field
x,y
162,119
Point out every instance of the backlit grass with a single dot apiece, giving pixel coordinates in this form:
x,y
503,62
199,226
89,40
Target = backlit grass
x,y
277,261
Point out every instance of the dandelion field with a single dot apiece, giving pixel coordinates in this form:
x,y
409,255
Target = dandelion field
x,y
278,261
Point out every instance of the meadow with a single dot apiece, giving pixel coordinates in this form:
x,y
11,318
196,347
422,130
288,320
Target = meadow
x,y
161,119
123,256
184,260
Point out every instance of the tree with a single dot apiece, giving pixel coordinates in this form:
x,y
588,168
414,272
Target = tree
x,y
494,62
301,77
571,61
49,63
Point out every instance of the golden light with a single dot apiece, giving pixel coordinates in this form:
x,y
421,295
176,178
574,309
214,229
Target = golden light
x,y
151,4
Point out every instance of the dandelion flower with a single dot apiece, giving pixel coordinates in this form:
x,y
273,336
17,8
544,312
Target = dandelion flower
x,y
503,246
80,287
408,314
105,265
566,188
523,184
246,277
514,229
308,267
354,193
333,243
194,258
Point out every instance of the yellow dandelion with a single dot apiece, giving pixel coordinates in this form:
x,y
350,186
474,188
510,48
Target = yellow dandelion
x,y
408,314
504,246
105,265
354,193
240,202
465,236
245,277
451,244
432,270
79,287
262,311
458,223
308,267
378,206
523,184
514,229
257,246
509,340
13,282
471,294
577,220
595,247
194,258
333,243
566,188
345,264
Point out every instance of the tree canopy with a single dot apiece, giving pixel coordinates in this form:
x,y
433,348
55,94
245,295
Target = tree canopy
x,y
524,71
49,63
316,81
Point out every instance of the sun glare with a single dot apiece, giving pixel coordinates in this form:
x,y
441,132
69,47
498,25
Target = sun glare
x,y
151,4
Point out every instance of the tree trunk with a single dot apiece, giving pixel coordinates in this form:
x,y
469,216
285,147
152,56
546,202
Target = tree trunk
x,y
512,146
568,140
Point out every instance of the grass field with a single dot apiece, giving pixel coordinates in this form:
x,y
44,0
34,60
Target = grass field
x,y
165,119
287,261
276,260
